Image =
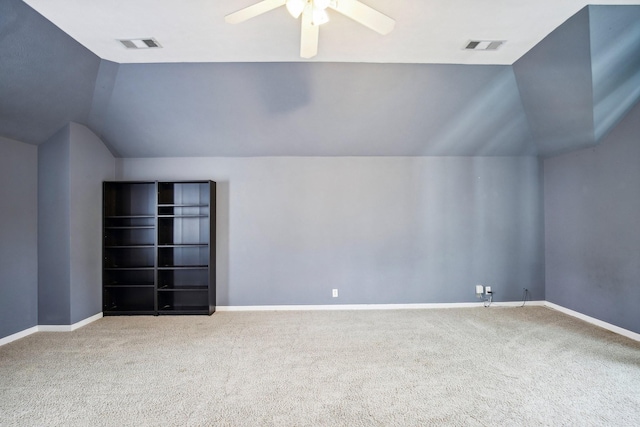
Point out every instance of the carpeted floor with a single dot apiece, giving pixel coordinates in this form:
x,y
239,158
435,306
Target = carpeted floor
x,y
467,367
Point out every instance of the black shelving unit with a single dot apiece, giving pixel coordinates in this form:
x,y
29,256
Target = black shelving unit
x,y
159,248
186,257
129,226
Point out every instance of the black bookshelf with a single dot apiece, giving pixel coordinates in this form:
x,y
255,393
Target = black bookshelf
x,y
159,248
186,255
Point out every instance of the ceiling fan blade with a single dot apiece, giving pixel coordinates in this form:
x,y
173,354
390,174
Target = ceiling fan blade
x,y
365,15
309,35
253,10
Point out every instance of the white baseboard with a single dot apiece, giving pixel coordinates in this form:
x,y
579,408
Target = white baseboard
x,y
86,321
49,328
69,328
608,326
18,335
517,304
371,306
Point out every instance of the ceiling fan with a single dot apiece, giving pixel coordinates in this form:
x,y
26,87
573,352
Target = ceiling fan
x,y
314,14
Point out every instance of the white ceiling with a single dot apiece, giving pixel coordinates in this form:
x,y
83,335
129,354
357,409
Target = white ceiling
x,y
426,31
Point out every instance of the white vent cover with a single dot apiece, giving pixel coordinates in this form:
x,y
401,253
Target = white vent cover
x,y
148,43
484,44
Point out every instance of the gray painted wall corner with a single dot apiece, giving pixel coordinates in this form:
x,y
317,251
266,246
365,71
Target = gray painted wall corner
x,y
592,232
18,236
91,163
72,166
54,274
105,82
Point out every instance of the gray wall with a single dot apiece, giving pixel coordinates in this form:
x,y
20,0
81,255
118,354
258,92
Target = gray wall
x,y
18,237
91,163
381,230
592,227
53,230
72,166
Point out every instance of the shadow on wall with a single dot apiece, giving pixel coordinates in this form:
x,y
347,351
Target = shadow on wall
x,y
283,87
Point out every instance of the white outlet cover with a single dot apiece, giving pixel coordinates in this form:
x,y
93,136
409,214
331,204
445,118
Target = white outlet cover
x,y
479,289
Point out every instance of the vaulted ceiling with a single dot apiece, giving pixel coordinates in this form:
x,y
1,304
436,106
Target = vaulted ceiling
x,y
543,95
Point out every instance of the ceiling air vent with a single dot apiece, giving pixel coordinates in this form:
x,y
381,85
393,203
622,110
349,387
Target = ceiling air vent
x,y
140,43
484,44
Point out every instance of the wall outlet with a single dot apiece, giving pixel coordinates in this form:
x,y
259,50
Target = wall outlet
x,y
334,293
479,289
487,289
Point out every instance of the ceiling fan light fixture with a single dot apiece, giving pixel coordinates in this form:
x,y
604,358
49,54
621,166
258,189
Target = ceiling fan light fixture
x,y
319,16
295,7
314,14
321,4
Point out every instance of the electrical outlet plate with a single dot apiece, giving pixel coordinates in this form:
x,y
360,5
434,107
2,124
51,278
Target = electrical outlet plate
x,y
479,289
334,293
487,289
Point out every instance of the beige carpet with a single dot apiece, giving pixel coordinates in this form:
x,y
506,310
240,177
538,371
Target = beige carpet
x,y
467,367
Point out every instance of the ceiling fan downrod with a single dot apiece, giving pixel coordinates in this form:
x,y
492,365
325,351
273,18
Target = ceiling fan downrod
x,y
314,14
317,9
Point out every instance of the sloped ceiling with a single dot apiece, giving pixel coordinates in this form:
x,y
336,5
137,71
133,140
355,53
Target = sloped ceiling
x,y
555,88
615,64
46,78
542,105
298,109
